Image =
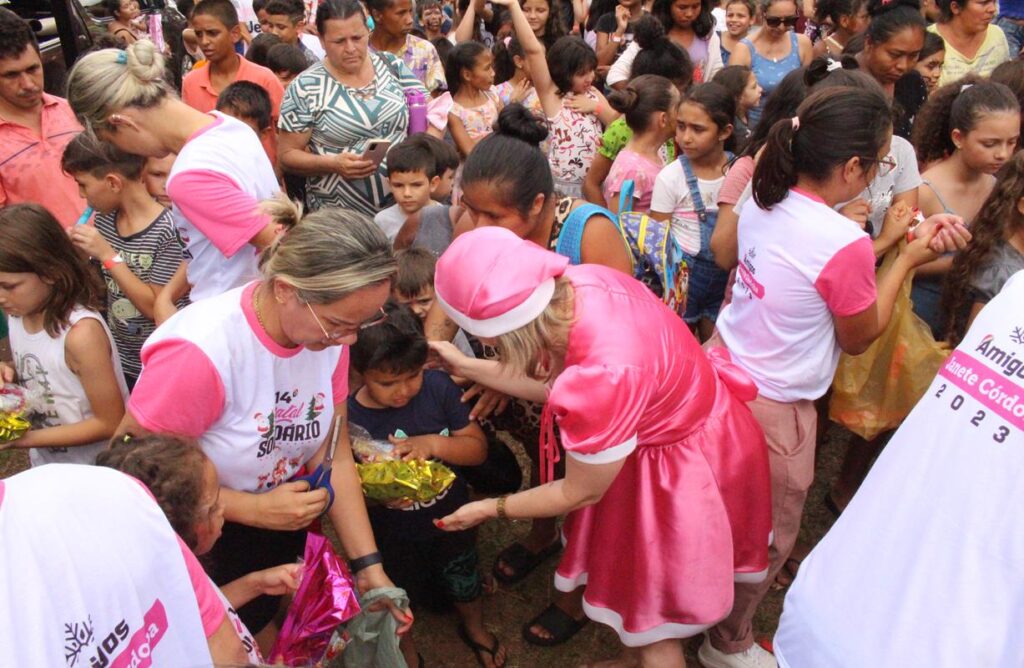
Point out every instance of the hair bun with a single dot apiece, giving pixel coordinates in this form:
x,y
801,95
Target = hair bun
x,y
625,100
879,7
145,62
517,121
648,32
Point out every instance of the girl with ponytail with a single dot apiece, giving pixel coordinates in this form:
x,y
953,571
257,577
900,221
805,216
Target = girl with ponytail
x,y
806,290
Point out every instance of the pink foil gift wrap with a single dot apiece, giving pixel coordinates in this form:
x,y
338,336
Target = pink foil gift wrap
x,y
326,597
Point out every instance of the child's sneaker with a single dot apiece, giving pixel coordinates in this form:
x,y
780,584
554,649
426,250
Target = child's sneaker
x,y
753,657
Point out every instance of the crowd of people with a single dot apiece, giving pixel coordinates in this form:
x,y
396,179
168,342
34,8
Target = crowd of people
x,y
644,238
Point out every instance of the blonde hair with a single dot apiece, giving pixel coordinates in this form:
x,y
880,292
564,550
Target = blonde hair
x,y
327,254
531,348
106,81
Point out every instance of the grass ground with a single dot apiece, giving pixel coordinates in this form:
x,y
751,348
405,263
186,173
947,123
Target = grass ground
x,y
509,608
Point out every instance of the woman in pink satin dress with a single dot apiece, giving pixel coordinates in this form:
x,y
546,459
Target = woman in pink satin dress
x,y
667,482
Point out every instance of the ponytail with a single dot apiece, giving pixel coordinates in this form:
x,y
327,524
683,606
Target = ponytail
x,y
830,127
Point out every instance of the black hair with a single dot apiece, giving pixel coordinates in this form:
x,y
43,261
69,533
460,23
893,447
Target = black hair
x,y
260,47
568,57
504,53
15,35
816,148
328,10
424,5
411,155
293,9
462,57
827,67
782,103
660,55
248,100
378,5
599,8
222,10
257,5
396,345
286,58
445,155
511,159
85,154
111,7
641,98
933,43
749,4
1011,75
889,17
718,103
957,106
554,29
734,78
834,10
416,268
444,50
702,25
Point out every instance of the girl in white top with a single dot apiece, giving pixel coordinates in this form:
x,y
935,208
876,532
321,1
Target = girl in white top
x,y
218,179
261,371
63,351
804,291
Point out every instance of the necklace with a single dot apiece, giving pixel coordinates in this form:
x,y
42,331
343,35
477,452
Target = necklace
x,y
256,307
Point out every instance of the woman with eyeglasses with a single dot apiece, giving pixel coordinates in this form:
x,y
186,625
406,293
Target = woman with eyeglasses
x,y
774,51
257,375
805,291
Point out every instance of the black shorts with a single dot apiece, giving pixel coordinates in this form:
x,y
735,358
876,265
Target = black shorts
x,y
244,549
434,572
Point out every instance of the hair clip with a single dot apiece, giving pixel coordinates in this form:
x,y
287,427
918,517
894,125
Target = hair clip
x,y
965,87
834,65
795,121
122,57
886,3
507,40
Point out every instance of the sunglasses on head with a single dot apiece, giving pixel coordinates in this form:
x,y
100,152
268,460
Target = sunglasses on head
x,y
776,21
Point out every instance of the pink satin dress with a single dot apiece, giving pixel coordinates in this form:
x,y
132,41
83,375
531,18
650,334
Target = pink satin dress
x,y
690,511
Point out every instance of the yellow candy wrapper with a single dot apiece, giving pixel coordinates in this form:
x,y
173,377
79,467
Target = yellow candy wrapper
x,y
12,427
413,480
14,404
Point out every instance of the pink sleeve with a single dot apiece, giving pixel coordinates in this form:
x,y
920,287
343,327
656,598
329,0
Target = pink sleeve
x,y
176,373
735,181
211,609
598,411
214,203
847,282
339,379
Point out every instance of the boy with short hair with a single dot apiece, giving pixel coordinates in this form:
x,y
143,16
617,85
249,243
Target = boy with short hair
x,y
132,236
286,62
285,19
425,405
431,19
415,219
249,103
260,47
414,287
446,163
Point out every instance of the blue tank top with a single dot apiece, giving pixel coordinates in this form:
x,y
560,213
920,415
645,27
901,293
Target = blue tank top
x,y
770,73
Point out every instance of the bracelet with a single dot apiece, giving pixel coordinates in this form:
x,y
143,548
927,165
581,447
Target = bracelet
x,y
597,109
365,561
502,515
116,259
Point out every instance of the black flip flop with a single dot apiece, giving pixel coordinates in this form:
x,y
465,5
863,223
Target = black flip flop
x,y
478,648
521,561
557,622
832,506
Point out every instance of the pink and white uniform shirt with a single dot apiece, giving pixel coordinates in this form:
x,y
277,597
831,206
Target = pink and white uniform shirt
x,y
800,263
216,184
259,410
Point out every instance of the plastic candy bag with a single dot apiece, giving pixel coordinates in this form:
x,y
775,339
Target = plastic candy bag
x,y
385,477
15,403
874,392
326,598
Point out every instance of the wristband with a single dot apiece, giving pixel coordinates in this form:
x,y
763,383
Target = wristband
x,y
616,39
502,515
365,561
109,264
597,109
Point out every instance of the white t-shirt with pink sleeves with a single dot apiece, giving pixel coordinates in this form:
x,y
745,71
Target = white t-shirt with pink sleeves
x,y
800,263
95,576
630,165
216,184
260,411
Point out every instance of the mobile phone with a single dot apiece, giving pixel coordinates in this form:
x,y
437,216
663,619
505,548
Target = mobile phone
x,y
376,150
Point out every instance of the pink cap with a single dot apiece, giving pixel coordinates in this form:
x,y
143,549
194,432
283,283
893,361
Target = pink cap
x,y
490,282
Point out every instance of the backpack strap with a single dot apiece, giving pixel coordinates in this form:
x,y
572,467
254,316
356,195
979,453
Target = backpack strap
x,y
570,238
691,183
626,196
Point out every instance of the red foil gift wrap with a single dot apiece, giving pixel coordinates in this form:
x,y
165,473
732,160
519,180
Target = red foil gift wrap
x,y
326,597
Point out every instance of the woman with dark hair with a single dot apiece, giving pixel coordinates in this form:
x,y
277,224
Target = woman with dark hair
x,y
123,27
848,18
687,23
775,50
806,292
930,60
974,44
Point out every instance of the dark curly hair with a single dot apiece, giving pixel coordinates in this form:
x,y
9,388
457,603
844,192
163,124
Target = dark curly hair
x,y
998,220
957,106
171,467
15,34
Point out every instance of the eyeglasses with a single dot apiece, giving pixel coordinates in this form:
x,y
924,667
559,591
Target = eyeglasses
x,y
776,21
885,165
375,320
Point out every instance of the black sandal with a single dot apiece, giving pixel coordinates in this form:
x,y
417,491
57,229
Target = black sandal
x,y
522,562
478,648
555,621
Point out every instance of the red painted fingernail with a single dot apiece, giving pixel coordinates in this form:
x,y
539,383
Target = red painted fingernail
x,y
439,523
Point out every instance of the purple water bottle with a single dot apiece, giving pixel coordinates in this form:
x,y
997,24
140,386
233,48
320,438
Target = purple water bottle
x,y
417,102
